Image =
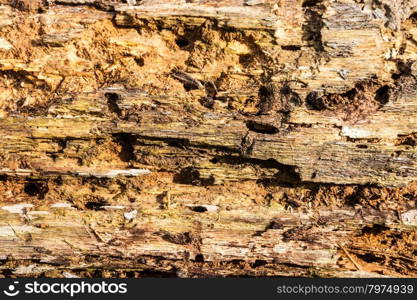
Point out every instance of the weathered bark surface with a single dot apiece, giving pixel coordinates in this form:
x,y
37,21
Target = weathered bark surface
x,y
208,138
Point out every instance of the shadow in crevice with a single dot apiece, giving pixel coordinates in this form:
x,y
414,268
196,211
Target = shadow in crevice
x,y
126,141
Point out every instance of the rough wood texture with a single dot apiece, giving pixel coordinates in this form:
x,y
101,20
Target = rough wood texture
x,y
208,138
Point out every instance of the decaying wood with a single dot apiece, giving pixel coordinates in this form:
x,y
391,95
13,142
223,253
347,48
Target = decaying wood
x,y
208,138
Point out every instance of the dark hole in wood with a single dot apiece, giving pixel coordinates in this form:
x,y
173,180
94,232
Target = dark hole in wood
x,y
314,102
350,94
112,102
383,94
199,258
189,86
291,48
179,143
32,189
409,141
62,143
182,42
245,59
126,141
259,263
265,92
370,258
261,127
38,189
285,90
374,229
94,205
59,180
140,61
310,3
214,160
199,209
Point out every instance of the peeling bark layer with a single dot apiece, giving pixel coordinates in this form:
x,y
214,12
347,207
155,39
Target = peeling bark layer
x,y
208,138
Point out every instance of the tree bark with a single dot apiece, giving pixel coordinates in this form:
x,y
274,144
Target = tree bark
x,y
208,138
